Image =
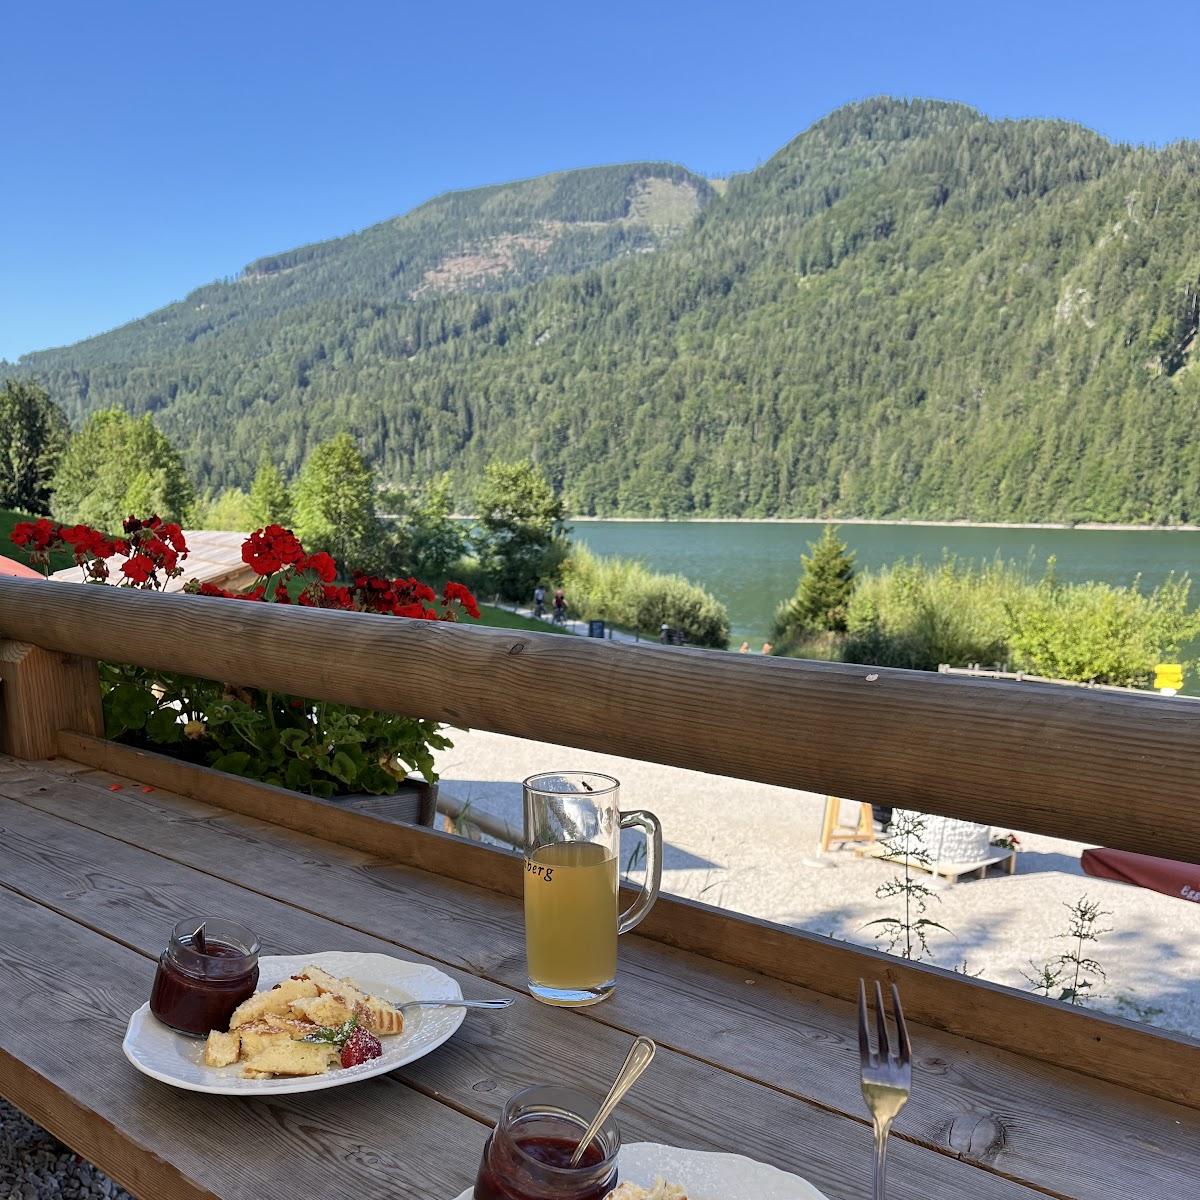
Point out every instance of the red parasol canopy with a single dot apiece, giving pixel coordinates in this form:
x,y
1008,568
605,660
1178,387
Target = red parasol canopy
x,y
9,566
1159,874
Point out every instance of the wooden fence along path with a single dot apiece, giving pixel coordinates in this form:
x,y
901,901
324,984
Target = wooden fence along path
x,y
1015,1096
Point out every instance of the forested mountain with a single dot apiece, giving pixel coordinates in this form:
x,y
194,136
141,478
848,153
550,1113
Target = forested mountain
x,y
910,310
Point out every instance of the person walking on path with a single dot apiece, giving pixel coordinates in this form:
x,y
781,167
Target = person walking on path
x,y
539,601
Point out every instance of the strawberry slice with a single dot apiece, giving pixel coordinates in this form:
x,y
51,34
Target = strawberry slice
x,y
360,1047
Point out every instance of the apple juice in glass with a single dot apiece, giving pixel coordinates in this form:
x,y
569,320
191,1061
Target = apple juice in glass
x,y
573,829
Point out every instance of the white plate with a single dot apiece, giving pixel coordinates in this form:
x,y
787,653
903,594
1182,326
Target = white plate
x,y
164,1054
705,1175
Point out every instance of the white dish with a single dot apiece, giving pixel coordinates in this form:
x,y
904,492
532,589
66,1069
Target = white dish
x,y
706,1175
164,1054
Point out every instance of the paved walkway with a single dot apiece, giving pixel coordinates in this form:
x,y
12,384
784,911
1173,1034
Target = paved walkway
x,y
751,848
574,625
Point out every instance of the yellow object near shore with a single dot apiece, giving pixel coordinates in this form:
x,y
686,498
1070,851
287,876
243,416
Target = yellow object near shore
x,y
1168,675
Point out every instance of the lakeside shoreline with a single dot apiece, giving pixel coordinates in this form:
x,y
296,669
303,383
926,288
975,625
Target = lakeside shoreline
x,y
1090,526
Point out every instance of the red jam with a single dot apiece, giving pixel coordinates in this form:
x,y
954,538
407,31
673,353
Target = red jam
x,y
201,980
501,1176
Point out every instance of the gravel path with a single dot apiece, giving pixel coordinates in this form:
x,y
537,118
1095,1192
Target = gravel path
x,y
36,1166
751,848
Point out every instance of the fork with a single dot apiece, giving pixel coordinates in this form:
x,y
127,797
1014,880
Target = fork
x,y
503,1003
886,1077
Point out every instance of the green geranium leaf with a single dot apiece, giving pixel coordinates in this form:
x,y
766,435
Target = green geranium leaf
x,y
163,726
296,584
234,762
298,775
296,740
343,766
129,704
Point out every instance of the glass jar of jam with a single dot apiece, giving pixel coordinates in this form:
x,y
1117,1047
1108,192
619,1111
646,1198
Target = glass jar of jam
x,y
209,967
527,1154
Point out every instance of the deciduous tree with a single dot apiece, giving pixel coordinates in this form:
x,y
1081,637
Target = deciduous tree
x,y
335,505
117,465
520,527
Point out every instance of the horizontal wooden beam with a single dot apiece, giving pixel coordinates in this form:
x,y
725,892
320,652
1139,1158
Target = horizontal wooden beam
x,y
1116,770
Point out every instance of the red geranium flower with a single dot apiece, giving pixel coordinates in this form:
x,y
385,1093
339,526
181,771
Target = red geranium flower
x,y
320,563
457,591
139,568
269,550
208,589
41,533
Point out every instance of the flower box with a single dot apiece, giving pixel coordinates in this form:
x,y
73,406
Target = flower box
x,y
413,803
282,739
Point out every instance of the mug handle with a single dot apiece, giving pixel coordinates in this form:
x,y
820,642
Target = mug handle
x,y
648,823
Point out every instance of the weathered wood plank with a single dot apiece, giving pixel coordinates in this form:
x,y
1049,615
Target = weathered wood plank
x,y
61,1027
1032,757
1121,1052
42,692
1056,1129
325,819
133,896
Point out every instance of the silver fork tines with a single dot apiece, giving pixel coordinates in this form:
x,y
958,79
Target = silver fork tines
x,y
886,1076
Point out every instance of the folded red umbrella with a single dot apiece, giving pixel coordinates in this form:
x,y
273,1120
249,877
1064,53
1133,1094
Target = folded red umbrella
x,y
1159,874
9,566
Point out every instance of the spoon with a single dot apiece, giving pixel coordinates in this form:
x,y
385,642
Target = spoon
x,y
501,1003
637,1060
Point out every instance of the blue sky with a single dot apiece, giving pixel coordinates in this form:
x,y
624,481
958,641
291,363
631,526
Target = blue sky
x,y
148,147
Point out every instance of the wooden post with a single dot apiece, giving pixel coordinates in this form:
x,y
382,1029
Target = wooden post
x,y
41,692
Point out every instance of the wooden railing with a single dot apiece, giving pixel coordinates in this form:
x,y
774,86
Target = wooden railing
x,y
1117,770
1120,770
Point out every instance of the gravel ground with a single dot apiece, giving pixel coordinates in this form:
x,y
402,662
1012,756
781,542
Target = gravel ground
x,y
751,848
36,1166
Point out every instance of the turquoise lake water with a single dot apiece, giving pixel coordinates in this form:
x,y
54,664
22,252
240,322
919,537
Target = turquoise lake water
x,y
752,565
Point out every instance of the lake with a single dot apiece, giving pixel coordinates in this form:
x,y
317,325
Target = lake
x,y
752,565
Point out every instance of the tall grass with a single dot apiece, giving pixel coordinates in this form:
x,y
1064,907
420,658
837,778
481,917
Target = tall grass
x,y
624,592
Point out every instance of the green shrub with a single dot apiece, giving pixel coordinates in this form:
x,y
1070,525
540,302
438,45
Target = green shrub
x,y
910,615
915,616
1101,633
624,592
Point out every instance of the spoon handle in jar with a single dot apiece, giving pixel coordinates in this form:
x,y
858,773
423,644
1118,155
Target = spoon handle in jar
x,y
637,1060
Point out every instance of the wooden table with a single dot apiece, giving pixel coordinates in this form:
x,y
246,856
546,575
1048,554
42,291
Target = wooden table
x,y
95,868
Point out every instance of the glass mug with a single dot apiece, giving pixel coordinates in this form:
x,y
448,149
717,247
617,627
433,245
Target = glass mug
x,y
572,844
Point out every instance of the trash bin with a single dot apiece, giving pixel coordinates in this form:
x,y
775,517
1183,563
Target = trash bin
x,y
596,629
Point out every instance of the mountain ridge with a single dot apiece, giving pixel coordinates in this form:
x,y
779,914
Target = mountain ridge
x,y
586,204
909,311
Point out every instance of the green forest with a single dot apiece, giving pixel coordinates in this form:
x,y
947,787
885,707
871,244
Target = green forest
x,y
909,311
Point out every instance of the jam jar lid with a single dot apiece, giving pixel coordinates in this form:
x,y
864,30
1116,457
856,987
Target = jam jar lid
x,y
212,948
